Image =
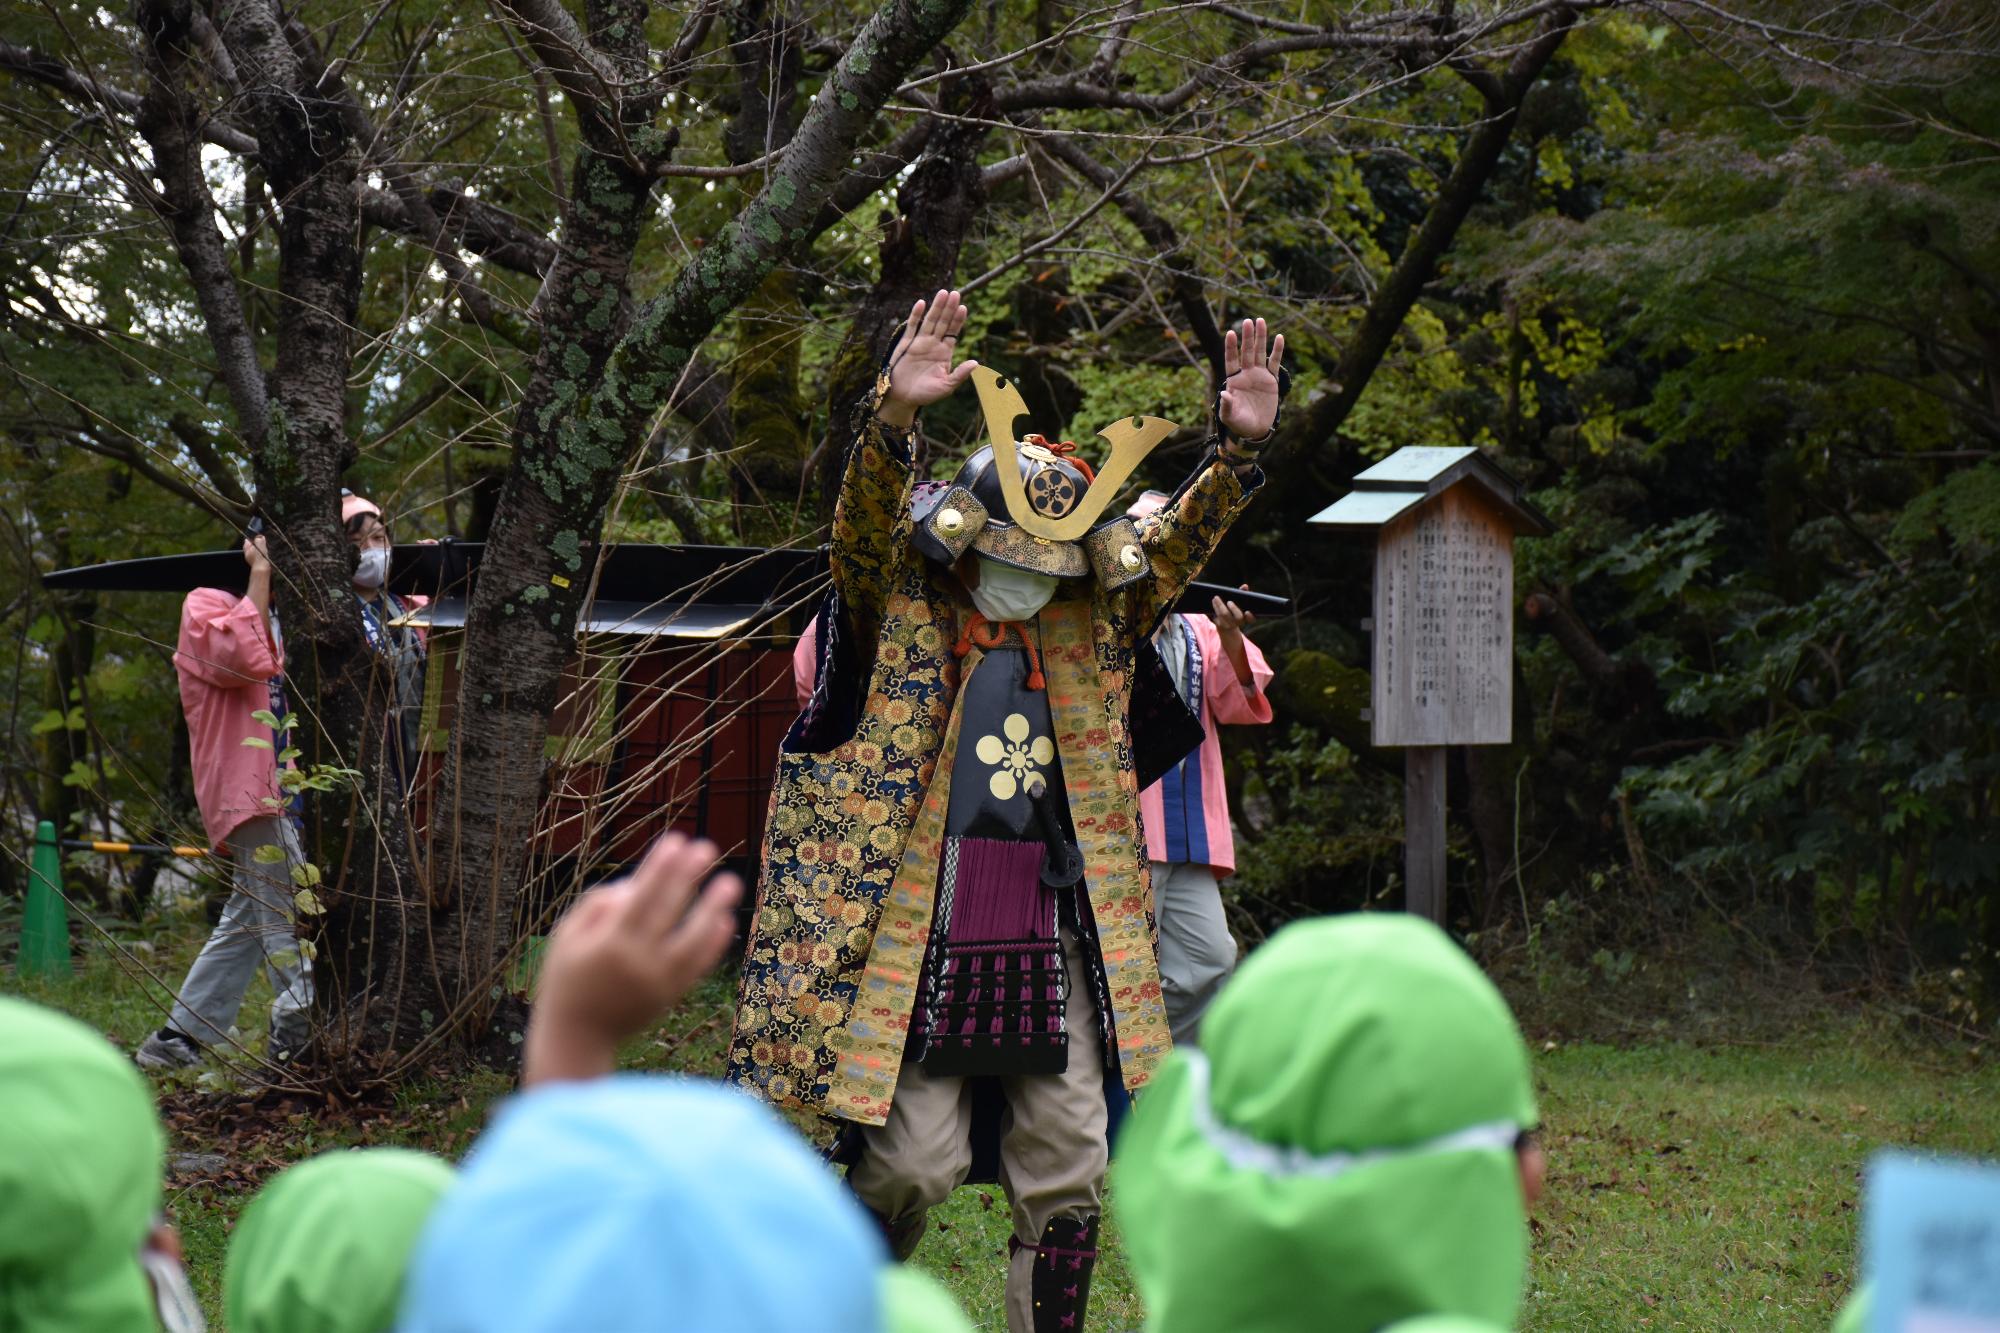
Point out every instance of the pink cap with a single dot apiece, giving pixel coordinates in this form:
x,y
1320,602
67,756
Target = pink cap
x,y
350,505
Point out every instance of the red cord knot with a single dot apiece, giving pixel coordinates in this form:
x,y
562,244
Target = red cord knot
x,y
1065,449
990,634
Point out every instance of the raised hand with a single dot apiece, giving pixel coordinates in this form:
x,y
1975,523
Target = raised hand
x,y
1230,618
920,369
1229,622
256,555
1250,361
623,956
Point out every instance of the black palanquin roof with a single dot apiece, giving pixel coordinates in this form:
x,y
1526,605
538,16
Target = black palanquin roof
x,y
642,589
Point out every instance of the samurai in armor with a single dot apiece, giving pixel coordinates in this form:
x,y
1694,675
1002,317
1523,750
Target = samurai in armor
x,y
954,943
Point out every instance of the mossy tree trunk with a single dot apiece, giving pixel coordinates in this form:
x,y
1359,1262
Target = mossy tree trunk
x,y
294,419
598,383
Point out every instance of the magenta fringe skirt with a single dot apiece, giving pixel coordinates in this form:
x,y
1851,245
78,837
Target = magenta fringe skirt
x,y
994,987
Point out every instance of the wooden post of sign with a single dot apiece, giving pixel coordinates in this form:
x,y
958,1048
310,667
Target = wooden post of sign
x,y
1441,666
1443,611
1423,831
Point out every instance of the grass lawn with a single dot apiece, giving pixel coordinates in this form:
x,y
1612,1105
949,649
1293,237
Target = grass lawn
x,y
1691,1186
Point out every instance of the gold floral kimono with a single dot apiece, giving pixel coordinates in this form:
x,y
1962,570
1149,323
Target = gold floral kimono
x,y
851,852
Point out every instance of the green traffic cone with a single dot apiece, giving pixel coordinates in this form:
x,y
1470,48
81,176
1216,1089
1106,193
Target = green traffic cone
x,y
45,929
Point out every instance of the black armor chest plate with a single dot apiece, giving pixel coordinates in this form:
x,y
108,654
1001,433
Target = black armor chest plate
x,y
1005,736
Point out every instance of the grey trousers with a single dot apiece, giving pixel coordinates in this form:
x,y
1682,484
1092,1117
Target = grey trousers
x,y
256,928
1052,1149
1197,952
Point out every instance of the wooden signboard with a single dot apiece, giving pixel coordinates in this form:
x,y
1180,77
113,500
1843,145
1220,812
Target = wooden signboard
x,y
1442,669
1444,625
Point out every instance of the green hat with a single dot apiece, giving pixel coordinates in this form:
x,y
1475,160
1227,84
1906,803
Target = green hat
x,y
1853,1316
1340,1152
914,1302
323,1248
80,1159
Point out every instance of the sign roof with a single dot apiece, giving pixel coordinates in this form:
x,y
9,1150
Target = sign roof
x,y
1416,465
1365,509
1420,471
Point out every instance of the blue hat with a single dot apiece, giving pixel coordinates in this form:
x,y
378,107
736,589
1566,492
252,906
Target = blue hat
x,y
640,1202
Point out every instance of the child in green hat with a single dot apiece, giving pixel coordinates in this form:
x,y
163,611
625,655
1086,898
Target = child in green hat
x,y
323,1248
1349,1146
82,1246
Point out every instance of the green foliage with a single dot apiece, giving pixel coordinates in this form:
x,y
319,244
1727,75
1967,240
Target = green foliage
x,y
1963,510
1653,569
1731,324
1862,743
1321,832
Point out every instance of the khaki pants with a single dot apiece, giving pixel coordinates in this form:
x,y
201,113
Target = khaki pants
x,y
1052,1149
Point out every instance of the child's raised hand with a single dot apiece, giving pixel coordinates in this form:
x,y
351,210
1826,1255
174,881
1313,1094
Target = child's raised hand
x,y
624,955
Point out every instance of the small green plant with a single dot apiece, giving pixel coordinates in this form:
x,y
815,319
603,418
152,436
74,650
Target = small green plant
x,y
293,782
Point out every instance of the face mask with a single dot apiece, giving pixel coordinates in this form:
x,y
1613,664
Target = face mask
x,y
373,571
1007,593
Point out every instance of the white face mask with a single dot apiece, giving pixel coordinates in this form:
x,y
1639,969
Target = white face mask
x,y
373,571
1007,593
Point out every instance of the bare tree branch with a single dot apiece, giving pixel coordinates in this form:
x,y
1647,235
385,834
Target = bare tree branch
x,y
1006,169
425,224
1421,45
1113,45
168,118
27,63
486,230
583,72
784,211
1391,304
873,172
214,467
692,34
551,139
90,442
1160,234
1056,237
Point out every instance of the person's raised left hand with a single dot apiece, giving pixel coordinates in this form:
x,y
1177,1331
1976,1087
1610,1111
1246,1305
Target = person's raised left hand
x,y
1250,361
1230,618
624,955
1229,621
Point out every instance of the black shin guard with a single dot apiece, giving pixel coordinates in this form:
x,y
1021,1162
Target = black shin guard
x,y
1063,1261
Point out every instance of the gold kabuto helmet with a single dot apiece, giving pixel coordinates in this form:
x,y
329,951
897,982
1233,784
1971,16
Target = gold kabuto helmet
x,y
1041,514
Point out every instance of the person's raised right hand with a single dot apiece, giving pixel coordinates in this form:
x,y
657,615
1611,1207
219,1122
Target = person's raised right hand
x,y
920,369
255,556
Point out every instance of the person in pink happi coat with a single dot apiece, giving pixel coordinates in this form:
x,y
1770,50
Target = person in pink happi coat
x,y
1221,675
230,661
